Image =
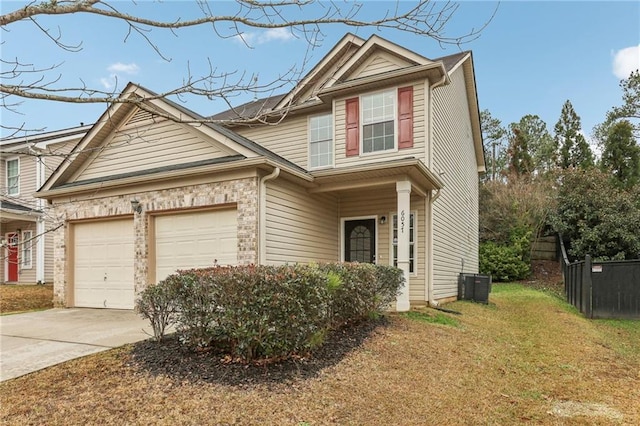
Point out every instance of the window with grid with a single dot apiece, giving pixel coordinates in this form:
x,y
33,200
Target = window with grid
x,y
412,242
13,176
321,141
27,249
378,121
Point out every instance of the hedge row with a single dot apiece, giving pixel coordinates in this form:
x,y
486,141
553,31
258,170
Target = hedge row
x,y
267,311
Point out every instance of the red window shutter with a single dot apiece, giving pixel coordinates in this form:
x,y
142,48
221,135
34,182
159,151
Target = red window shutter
x,y
405,117
352,126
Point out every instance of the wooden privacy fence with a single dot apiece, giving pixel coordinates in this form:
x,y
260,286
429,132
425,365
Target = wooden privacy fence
x,y
608,289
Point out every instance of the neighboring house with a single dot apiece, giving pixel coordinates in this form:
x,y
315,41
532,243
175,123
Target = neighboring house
x,y
372,130
27,246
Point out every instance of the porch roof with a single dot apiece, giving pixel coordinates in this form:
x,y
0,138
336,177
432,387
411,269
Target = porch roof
x,y
14,211
378,174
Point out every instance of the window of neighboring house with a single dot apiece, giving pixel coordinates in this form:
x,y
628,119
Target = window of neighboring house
x,y
13,176
321,141
412,241
27,249
378,121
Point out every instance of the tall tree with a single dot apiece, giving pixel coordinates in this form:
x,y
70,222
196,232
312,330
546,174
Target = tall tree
x,y
621,154
630,110
574,149
493,136
542,148
26,77
520,162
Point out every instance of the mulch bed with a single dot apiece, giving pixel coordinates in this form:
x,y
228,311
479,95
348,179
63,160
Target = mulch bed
x,y
169,358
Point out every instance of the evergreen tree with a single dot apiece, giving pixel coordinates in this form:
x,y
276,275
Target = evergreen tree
x,y
574,149
631,98
542,147
520,162
621,154
493,136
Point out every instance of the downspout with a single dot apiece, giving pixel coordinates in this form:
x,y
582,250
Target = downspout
x,y
40,228
430,297
262,208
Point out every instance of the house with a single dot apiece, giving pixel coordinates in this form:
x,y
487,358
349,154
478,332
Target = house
x,y
373,157
27,245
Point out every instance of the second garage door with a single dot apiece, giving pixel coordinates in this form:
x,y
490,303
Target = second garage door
x,y
195,240
103,264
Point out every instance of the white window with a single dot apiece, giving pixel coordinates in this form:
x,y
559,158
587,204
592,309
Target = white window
x,y
378,121
27,249
13,176
412,241
321,141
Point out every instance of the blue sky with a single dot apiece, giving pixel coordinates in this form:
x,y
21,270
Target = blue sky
x,y
531,58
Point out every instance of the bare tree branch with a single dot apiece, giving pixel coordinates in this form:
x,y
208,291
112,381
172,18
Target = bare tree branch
x,y
305,19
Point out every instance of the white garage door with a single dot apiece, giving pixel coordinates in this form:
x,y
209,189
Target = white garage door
x,y
195,240
103,264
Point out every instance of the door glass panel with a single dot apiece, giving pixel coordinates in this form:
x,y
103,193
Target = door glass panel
x,y
360,244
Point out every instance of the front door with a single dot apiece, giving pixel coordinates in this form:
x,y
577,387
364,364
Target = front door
x,y
360,240
12,257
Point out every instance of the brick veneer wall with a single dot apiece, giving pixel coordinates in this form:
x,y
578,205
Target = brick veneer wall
x,y
241,192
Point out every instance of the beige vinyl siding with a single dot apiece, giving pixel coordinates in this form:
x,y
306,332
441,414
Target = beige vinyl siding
x,y
48,251
56,154
455,212
288,139
382,202
146,146
377,64
417,151
300,227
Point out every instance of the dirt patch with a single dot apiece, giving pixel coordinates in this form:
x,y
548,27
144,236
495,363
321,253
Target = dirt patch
x,y
546,275
587,409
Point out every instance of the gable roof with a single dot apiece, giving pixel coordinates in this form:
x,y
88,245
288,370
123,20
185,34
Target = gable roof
x,y
116,113
420,66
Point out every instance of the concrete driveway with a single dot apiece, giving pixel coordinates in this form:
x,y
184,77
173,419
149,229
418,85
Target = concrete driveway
x,y
36,340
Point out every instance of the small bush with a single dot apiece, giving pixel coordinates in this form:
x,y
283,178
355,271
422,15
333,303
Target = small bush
x,y
504,263
363,291
158,304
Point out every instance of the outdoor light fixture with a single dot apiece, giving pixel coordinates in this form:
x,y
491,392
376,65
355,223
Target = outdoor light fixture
x,y
135,205
3,243
383,220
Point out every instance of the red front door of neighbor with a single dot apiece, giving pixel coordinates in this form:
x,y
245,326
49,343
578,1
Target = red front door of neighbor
x,y
12,257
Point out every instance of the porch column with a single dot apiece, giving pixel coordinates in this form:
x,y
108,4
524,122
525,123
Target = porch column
x,y
40,240
403,188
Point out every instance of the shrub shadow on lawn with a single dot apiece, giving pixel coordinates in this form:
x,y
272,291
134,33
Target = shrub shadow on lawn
x,y
169,358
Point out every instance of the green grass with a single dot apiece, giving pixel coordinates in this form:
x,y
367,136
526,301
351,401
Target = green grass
x,y
437,318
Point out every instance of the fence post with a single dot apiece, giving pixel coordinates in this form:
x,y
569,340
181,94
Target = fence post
x,y
587,286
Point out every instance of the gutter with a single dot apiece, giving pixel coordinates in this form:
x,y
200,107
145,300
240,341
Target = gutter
x,y
262,208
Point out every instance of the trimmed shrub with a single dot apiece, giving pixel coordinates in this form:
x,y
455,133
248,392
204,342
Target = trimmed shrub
x,y
270,312
363,290
504,263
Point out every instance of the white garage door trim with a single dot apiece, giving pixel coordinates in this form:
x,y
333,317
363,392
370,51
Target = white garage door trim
x,y
103,264
195,239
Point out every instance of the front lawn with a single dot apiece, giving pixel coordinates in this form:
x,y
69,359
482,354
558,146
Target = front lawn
x,y
527,357
22,298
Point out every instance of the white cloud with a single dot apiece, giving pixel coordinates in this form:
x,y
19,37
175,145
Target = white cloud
x,y
626,60
272,34
108,82
119,67
115,70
